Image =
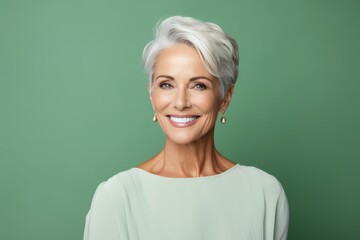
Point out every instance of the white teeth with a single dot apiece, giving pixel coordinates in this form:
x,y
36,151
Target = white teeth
x,y
182,120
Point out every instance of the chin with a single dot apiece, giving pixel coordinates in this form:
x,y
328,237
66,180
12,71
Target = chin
x,y
182,139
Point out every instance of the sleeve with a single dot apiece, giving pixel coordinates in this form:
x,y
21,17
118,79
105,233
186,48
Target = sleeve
x,y
282,217
105,220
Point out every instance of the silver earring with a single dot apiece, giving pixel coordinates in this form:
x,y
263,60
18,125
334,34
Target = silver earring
x,y
154,118
223,119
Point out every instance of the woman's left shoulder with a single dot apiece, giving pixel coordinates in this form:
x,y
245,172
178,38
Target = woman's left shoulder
x,y
261,179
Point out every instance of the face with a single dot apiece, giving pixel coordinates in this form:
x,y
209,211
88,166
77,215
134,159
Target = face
x,y
185,96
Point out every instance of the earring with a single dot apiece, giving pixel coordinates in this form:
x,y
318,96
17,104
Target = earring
x,y
154,118
223,119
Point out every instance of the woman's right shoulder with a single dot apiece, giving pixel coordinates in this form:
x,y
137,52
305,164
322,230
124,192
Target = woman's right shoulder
x,y
108,208
119,179
115,186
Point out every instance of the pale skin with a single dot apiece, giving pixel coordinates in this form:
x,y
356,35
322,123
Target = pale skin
x,y
186,101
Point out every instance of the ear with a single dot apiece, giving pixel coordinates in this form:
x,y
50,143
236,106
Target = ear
x,y
227,98
148,88
149,91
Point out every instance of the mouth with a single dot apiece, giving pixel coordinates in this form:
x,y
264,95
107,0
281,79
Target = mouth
x,y
182,121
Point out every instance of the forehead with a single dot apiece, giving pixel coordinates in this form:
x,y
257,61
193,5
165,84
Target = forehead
x,y
180,57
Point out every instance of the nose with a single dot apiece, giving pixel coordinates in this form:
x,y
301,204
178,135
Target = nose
x,y
181,99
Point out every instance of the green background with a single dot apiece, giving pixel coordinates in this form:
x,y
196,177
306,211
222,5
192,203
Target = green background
x,y
75,109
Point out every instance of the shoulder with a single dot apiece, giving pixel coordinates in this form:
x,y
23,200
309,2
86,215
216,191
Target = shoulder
x,y
118,179
260,179
106,218
113,189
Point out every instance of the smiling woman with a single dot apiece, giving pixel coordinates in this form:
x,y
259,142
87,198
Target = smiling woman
x,y
185,96
189,190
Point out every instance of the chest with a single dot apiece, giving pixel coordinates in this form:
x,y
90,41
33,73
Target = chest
x,y
195,213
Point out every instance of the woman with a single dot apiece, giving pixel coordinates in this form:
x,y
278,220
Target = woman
x,y
189,191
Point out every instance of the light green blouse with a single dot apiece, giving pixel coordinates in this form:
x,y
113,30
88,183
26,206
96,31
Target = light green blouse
x,y
240,203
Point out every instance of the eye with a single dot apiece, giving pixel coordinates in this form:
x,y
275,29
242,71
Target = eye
x,y
165,85
200,86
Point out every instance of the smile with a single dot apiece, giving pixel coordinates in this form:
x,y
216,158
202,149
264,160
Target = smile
x,y
182,121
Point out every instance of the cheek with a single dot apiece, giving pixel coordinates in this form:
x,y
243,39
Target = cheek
x,y
160,101
207,104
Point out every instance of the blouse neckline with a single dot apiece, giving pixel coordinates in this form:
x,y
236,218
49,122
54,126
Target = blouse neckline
x,y
186,178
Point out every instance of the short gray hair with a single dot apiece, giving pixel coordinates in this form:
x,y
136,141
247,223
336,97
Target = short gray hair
x,y
218,50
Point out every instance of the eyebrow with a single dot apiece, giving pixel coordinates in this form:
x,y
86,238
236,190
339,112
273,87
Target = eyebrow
x,y
191,79
164,76
200,77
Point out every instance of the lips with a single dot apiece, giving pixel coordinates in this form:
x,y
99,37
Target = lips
x,y
182,121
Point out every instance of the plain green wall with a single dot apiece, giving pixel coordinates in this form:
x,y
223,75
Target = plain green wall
x,y
75,110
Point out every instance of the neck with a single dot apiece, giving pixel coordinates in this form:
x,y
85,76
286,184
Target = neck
x,y
199,158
